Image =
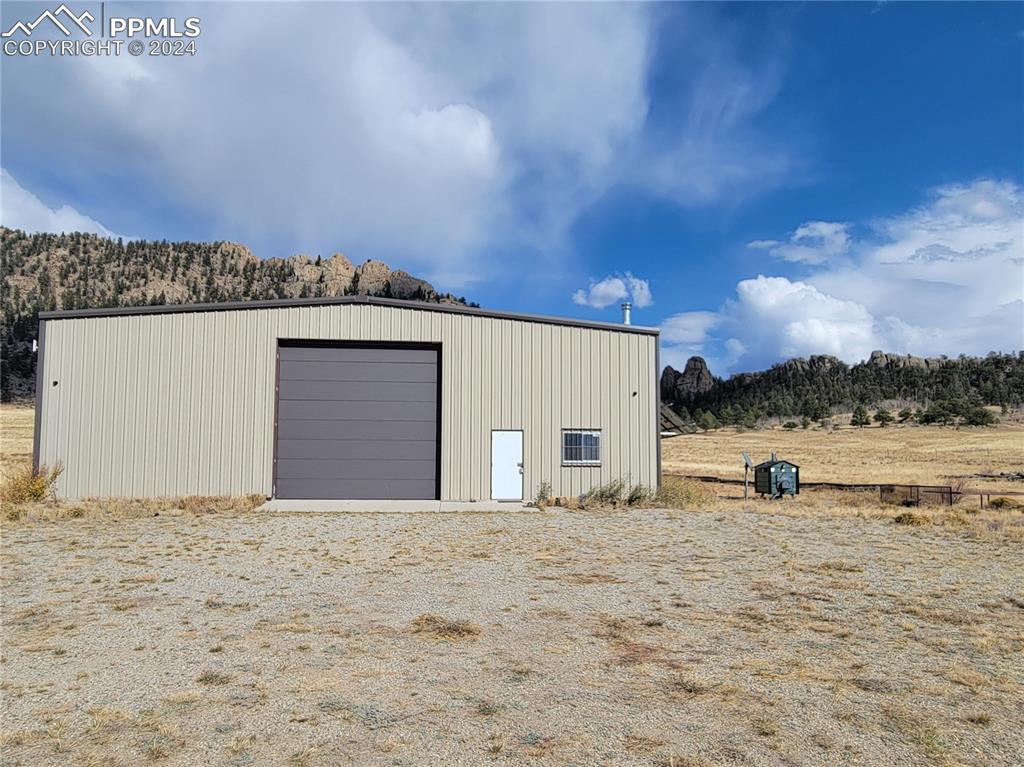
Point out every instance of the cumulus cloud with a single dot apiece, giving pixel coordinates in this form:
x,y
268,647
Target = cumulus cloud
x,y
945,265
688,327
613,289
796,319
639,291
811,243
431,136
20,209
946,277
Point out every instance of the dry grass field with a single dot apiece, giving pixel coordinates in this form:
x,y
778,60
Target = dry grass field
x,y
16,424
896,454
815,632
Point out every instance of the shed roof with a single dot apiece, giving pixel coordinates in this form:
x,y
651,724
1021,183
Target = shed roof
x,y
229,306
768,464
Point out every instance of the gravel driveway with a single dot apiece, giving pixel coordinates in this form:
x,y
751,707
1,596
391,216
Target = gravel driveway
x,y
618,638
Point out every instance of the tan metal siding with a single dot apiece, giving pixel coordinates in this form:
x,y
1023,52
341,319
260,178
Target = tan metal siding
x,y
183,404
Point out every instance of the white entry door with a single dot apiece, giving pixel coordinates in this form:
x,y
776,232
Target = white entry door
x,y
507,465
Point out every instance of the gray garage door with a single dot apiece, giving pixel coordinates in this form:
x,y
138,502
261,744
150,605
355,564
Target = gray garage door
x,y
357,422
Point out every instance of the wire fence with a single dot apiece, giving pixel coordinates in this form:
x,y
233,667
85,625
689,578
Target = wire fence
x,y
916,495
905,495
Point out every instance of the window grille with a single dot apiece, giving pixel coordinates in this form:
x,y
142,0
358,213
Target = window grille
x,y
581,447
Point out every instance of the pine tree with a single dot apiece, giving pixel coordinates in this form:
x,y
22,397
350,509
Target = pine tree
x,y
860,417
883,418
707,421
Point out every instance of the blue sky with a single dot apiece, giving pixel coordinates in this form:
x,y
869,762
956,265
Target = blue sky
x,y
763,180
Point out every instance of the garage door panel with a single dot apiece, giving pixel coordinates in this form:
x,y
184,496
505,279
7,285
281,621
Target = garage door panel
x,y
357,411
357,430
367,449
367,371
354,469
365,391
357,354
356,489
355,422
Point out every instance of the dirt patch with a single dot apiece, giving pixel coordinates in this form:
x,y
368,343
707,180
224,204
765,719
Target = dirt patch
x,y
444,628
639,637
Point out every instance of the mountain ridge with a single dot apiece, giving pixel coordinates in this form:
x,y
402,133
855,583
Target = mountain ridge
x,y
816,386
42,272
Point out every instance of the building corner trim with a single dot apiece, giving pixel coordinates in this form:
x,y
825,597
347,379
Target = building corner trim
x,y
657,399
39,395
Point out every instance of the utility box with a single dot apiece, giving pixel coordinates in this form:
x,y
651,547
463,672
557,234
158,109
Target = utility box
x,y
777,478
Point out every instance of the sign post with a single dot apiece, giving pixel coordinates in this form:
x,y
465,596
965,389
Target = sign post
x,y
747,466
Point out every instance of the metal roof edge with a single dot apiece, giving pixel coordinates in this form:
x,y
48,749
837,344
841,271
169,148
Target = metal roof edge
x,y
285,303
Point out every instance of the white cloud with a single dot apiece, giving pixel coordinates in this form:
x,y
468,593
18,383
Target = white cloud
x,y
640,290
796,319
426,135
688,327
945,265
944,278
601,294
735,348
811,243
20,209
712,149
613,289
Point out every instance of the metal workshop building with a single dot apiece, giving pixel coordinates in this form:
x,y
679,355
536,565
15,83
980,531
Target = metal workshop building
x,y
342,398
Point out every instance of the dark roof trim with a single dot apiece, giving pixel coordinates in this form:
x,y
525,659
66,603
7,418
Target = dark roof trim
x,y
372,300
776,462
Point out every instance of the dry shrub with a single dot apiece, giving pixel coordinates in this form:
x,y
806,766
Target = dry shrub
x,y
686,685
679,493
28,484
543,498
911,518
956,488
120,508
214,678
639,495
211,504
608,494
1002,502
445,628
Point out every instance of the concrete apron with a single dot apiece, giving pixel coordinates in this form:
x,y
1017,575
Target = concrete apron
x,y
392,507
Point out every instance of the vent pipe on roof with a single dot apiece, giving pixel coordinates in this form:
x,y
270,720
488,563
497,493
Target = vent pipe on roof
x,y
626,307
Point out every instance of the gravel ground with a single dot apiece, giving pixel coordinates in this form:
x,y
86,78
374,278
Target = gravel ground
x,y
619,638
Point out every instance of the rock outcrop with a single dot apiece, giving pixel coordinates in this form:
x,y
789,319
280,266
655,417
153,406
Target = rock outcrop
x,y
338,273
61,271
882,359
404,285
694,380
372,278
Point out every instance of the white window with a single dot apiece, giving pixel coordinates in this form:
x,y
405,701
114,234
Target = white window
x,y
581,447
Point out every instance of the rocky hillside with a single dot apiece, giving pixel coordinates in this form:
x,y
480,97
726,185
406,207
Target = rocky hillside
x,y
70,271
817,386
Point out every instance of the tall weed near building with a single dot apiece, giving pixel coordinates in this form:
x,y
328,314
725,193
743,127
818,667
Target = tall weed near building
x,y
28,484
679,493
